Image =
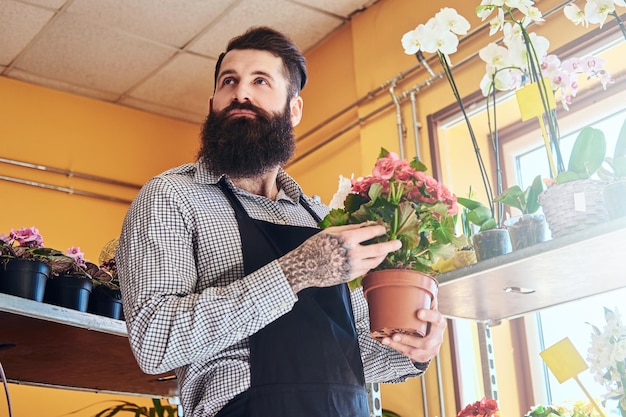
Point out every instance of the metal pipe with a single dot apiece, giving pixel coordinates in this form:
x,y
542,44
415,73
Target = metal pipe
x,y
424,397
369,96
65,189
399,121
442,409
415,124
69,173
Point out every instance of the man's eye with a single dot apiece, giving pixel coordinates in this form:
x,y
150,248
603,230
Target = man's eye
x,y
228,81
260,81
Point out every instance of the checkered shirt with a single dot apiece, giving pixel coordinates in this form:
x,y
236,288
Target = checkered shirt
x,y
187,304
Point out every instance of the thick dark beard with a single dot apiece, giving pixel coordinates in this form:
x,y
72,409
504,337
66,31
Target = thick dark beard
x,y
244,147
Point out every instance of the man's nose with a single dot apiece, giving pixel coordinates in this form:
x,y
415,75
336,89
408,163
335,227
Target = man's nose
x,y
241,93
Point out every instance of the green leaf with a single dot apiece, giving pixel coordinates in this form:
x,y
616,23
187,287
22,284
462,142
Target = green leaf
x,y
469,203
479,215
336,217
567,176
353,202
407,219
532,195
588,152
514,197
488,225
417,165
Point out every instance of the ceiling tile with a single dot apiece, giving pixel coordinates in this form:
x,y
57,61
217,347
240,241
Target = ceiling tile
x,y
88,55
19,23
61,86
303,25
172,22
186,83
342,8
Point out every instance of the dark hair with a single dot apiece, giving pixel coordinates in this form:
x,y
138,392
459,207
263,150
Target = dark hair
x,y
267,39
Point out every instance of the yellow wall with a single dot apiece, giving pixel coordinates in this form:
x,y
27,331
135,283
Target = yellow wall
x,y
60,130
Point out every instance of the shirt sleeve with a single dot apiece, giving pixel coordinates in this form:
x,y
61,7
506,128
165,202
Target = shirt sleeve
x,y
169,323
380,363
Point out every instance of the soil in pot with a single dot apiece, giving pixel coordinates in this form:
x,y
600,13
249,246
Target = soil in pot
x,y
527,230
491,243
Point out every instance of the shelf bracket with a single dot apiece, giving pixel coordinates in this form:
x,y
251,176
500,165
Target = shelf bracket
x,y
485,343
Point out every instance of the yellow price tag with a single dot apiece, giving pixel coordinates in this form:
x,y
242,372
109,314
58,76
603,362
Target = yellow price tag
x,y
564,360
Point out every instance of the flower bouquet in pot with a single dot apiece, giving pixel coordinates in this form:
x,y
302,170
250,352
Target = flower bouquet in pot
x,y
415,209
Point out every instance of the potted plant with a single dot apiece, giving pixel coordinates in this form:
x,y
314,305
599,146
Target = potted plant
x,y
70,284
23,272
574,200
529,227
415,209
106,297
489,240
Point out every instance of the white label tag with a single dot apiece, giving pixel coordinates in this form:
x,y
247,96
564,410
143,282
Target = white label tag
x,y
579,202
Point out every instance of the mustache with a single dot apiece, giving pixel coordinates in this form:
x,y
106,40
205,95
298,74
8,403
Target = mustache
x,y
246,105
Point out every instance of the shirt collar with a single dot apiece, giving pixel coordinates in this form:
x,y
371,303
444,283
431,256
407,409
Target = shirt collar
x,y
289,188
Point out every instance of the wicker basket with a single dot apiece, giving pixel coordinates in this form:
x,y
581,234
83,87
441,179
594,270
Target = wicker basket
x,y
573,206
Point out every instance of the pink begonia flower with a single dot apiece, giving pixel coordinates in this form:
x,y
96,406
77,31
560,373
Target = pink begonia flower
x,y
386,166
77,254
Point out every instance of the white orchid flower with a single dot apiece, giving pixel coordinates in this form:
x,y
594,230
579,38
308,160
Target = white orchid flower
x,y
621,3
454,22
596,11
495,56
512,33
574,14
534,14
496,23
411,41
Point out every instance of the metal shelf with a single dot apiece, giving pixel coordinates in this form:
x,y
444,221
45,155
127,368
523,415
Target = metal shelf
x,y
46,345
560,270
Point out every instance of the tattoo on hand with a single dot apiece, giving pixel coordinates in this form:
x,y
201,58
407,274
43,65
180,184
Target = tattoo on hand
x,y
321,261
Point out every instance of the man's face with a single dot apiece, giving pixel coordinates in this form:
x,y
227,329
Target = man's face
x,y
250,127
257,77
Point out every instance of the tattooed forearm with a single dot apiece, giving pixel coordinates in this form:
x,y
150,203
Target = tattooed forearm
x,y
321,261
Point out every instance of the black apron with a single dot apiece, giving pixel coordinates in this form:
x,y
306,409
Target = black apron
x,y
307,363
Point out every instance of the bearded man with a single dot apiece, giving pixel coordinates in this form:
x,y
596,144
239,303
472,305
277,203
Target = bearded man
x,y
226,278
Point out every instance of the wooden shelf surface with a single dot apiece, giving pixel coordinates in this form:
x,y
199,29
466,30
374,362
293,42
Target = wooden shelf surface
x,y
558,271
46,345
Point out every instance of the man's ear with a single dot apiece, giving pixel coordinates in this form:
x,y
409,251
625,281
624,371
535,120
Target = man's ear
x,y
296,104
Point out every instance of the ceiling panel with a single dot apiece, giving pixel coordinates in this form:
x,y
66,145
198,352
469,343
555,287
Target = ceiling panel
x,y
19,23
77,51
304,25
185,83
171,22
153,55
